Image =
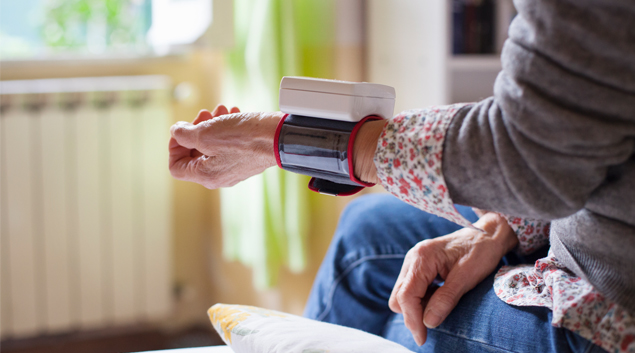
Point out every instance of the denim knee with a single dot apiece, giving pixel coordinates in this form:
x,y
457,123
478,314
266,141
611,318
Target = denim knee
x,y
364,259
375,220
363,220
383,221
362,263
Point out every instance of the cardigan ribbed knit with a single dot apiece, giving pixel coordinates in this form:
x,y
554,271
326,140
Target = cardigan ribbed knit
x,y
557,139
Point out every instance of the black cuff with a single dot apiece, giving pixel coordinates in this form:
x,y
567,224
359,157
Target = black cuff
x,y
322,149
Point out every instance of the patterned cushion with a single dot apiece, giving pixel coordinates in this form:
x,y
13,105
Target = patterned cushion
x,y
247,329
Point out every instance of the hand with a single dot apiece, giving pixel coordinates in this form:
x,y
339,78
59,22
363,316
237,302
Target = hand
x,y
222,148
463,259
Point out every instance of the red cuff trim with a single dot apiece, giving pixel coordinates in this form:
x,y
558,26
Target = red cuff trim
x,y
351,142
276,138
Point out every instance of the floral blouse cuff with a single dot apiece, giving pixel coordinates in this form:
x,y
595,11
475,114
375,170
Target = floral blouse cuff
x,y
532,233
408,160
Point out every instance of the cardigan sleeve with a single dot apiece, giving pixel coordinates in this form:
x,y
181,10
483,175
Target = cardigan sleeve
x,y
560,119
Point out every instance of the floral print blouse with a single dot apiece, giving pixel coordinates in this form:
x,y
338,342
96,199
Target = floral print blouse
x,y
409,164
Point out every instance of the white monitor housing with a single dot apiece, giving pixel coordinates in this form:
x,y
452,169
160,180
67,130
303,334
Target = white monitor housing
x,y
336,100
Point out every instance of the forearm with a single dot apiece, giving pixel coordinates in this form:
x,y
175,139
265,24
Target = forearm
x,y
364,151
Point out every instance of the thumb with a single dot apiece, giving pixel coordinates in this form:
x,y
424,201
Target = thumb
x,y
185,134
445,299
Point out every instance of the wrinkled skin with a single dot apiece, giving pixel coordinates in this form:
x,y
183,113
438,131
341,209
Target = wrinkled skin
x,y
462,259
222,148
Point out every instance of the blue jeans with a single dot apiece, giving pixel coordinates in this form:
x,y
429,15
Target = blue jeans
x,y
354,283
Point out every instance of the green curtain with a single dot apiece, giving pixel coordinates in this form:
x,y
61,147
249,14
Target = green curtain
x,y
265,218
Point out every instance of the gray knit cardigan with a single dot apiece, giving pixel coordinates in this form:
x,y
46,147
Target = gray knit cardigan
x,y
557,140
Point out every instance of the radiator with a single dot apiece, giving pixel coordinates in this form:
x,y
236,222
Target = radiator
x,y
85,204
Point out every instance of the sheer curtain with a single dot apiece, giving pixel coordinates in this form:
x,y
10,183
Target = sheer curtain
x,y
265,218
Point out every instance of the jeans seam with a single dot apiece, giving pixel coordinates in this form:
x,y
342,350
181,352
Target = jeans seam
x,y
345,273
472,340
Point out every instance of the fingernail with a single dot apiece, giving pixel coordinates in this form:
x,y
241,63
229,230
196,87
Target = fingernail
x,y
431,320
418,340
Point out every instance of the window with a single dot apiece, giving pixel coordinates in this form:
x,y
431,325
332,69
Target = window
x,y
31,29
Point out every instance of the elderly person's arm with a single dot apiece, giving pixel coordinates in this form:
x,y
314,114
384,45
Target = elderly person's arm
x,y
555,141
220,149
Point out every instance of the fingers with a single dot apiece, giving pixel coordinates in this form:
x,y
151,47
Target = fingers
x,y
393,303
466,273
409,297
418,272
220,110
183,168
185,134
177,152
204,115
446,297
463,258
411,293
185,165
186,162
180,159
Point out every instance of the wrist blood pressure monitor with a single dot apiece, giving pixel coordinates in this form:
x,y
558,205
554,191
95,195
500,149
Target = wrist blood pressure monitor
x,y
317,134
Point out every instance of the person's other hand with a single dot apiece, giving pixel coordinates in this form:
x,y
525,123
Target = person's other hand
x,y
222,148
463,259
